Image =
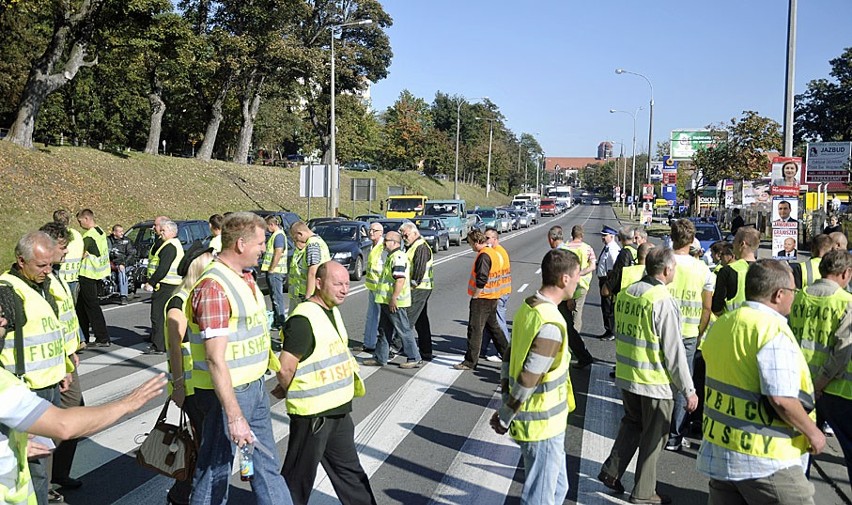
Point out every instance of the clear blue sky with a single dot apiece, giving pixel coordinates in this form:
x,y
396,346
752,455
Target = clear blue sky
x,y
550,65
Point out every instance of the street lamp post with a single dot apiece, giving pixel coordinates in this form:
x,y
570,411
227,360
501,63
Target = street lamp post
x,y
458,132
650,117
633,175
334,171
490,139
623,173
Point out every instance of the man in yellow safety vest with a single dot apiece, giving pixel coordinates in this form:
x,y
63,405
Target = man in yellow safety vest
x,y
274,264
164,281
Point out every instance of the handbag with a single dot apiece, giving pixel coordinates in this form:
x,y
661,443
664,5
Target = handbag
x,y
168,449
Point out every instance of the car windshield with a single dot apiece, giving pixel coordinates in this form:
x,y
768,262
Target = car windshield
x,y
548,202
405,204
426,224
336,233
441,209
707,233
487,213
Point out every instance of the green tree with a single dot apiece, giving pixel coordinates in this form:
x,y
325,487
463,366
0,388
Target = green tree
x,y
824,111
406,126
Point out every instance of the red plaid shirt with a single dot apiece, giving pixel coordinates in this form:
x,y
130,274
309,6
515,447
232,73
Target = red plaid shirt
x,y
211,309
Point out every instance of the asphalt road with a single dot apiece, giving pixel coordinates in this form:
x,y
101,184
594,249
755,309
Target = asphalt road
x,y
423,435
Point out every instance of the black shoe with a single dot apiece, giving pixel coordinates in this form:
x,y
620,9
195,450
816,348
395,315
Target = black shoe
x,y
612,374
123,300
606,337
68,482
673,446
611,482
154,350
102,344
426,357
583,363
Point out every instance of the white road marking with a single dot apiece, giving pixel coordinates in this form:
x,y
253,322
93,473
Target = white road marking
x,y
522,288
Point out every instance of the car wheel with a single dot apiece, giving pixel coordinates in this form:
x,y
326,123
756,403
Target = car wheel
x,y
435,247
359,270
447,244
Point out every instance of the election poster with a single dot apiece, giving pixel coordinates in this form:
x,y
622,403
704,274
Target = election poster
x,y
785,227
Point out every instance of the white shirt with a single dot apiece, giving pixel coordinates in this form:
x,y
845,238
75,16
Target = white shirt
x,y
607,259
19,409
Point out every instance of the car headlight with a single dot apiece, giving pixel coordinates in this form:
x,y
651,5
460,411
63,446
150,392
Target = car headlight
x,y
454,229
342,255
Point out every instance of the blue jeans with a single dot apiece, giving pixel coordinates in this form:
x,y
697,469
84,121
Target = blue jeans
x,y
395,322
121,277
546,475
680,418
276,294
216,454
371,324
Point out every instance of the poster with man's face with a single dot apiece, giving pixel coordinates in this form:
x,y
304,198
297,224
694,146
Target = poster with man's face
x,y
785,210
785,227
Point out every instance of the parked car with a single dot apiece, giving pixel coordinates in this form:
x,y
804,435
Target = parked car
x,y
596,201
434,232
548,207
489,217
369,218
454,215
348,243
392,224
313,223
523,218
532,212
286,217
141,235
358,166
477,223
707,233
505,221
514,220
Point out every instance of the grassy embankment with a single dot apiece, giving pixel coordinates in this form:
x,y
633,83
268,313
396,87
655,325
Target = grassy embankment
x,y
130,187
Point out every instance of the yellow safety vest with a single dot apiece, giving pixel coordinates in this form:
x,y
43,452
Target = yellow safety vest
x,y
741,268
810,271
545,414
281,267
493,288
634,253
172,276
96,267
582,251
630,275
326,378
69,269
298,278
688,288
505,271
387,282
428,276
67,317
216,244
248,353
21,491
638,354
374,267
44,340
814,321
736,416
185,348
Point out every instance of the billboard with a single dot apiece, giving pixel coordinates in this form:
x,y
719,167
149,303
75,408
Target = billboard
x,y
669,170
828,162
685,143
786,171
656,171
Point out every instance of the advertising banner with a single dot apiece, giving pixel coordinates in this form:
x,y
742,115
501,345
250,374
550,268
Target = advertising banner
x,y
670,193
755,193
785,227
828,162
656,171
786,171
685,143
647,191
669,170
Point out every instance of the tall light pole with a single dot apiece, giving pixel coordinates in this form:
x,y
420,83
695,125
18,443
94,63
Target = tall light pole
x,y
650,117
458,132
623,172
633,176
490,139
789,81
334,170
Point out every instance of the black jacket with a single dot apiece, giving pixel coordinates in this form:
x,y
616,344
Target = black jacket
x,y
121,251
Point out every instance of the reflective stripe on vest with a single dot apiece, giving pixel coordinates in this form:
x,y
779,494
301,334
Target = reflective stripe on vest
x,y
172,276
814,321
374,267
631,275
96,267
69,269
545,414
15,486
583,252
387,282
688,288
185,350
44,341
67,314
298,278
505,271
492,289
811,271
741,268
427,282
736,416
281,267
325,379
248,353
639,358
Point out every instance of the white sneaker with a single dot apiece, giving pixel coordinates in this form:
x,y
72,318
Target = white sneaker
x,y
494,359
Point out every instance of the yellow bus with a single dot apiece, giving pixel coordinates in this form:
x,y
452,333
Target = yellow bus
x,y
405,206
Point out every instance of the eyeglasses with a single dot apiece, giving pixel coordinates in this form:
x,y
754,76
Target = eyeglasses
x,y
375,231
792,290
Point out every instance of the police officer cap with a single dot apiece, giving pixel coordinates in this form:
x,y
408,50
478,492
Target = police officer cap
x,y
608,230
195,250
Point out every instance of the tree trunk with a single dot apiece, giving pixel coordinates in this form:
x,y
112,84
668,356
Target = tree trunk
x,y
158,108
41,81
205,151
250,105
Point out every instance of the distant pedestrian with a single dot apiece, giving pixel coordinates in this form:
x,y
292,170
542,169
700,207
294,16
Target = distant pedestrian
x,y
93,268
606,263
215,224
311,252
737,222
121,254
274,265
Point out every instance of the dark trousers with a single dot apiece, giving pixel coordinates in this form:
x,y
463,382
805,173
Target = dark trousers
x,y
89,311
607,310
63,456
39,467
575,341
483,314
418,315
838,412
159,299
331,442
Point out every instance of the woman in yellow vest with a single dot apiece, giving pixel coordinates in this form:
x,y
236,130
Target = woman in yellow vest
x,y
758,392
537,388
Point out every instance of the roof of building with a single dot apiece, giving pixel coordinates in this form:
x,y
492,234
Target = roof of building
x,y
569,163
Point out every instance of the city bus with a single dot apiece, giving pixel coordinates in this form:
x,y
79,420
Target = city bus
x,y
405,206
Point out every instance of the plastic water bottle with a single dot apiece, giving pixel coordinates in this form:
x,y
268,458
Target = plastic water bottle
x,y
246,462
